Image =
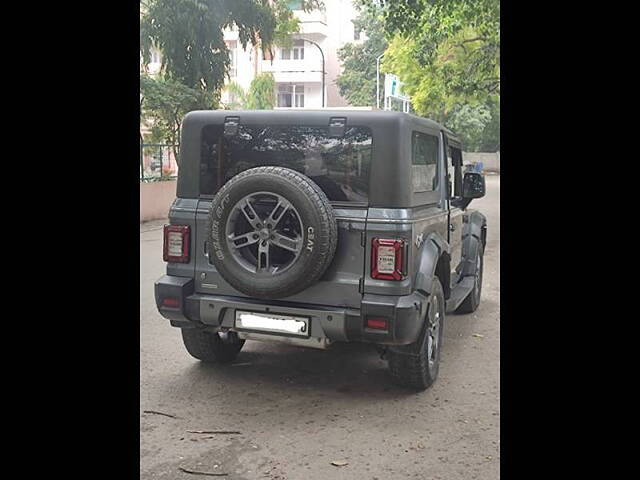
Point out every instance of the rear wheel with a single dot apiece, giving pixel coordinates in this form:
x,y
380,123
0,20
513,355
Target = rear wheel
x,y
222,347
420,370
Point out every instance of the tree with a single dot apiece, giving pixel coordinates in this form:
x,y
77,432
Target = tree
x,y
491,135
470,121
466,32
238,97
164,103
357,82
446,52
261,94
189,33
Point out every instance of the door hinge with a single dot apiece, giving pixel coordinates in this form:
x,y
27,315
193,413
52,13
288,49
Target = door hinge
x,y
231,126
361,285
363,239
337,126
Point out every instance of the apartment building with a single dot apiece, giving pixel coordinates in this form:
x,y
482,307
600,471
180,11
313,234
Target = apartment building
x,y
297,70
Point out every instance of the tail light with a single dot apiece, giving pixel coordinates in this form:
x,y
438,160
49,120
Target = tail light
x,y
387,259
170,302
176,243
377,323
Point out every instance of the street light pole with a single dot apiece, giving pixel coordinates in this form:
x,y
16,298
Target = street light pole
x,y
378,80
323,71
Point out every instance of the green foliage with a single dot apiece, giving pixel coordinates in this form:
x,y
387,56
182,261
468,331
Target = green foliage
x,y
470,121
261,94
357,82
239,97
490,141
447,54
437,87
455,43
195,58
165,102
432,22
189,33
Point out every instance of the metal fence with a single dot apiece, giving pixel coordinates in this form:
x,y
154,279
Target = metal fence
x,y
158,162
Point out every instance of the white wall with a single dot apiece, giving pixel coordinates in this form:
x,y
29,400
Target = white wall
x,y
340,14
339,30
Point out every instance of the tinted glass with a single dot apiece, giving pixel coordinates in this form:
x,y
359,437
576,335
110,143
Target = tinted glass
x,y
424,154
340,166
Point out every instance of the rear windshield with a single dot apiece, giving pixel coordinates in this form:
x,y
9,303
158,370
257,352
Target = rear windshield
x,y
340,166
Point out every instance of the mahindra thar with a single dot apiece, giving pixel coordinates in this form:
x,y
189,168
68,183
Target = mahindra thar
x,y
315,227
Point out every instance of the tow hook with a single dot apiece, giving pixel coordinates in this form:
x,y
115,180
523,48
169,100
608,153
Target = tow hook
x,y
382,351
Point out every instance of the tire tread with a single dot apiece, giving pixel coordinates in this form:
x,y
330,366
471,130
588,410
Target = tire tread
x,y
326,242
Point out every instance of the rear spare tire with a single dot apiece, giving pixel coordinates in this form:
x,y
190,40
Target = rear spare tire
x,y
272,232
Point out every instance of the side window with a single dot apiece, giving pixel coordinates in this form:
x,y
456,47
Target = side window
x,y
424,155
455,159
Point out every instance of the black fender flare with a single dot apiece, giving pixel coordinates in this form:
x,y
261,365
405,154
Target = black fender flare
x,y
474,238
433,247
429,254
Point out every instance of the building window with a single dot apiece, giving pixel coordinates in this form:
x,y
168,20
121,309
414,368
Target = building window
x,y
232,45
296,52
298,96
298,49
290,96
294,4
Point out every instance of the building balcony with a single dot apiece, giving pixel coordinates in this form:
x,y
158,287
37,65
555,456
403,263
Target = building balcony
x,y
313,24
292,71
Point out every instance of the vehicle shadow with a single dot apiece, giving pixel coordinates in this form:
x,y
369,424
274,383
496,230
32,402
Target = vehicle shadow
x,y
346,369
266,375
460,327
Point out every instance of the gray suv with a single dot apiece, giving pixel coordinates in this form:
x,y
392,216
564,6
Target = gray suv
x,y
315,227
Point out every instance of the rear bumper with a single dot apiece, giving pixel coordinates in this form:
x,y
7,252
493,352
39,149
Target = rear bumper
x,y
405,314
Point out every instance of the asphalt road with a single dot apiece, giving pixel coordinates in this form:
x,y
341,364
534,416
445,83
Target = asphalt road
x,y
300,409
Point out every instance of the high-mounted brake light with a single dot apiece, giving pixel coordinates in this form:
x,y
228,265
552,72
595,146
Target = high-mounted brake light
x,y
176,243
387,259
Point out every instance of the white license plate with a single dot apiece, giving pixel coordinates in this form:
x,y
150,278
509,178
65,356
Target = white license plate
x,y
272,323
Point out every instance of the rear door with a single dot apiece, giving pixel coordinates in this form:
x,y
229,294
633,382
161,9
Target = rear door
x,y
338,165
339,286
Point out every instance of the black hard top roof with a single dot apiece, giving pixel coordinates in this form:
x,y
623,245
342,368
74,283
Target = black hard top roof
x,y
314,117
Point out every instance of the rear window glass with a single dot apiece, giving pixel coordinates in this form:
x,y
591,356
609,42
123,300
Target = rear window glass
x,y
340,166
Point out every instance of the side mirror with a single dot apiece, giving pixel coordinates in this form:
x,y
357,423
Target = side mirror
x,y
473,185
